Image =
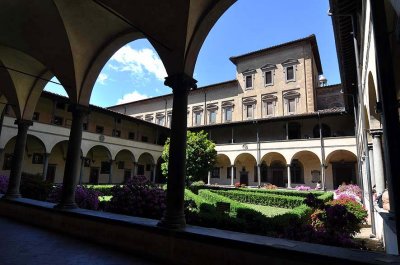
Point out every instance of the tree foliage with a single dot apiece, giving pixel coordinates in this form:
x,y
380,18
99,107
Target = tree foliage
x,y
200,156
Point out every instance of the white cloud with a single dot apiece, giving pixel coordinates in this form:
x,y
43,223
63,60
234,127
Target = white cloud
x,y
138,62
134,96
102,78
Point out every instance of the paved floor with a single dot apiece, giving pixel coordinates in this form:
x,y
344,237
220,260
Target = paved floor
x,y
22,244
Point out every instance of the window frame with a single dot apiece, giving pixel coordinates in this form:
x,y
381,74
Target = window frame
x,y
249,73
227,105
290,63
291,95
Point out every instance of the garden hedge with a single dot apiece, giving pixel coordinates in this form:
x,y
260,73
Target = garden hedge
x,y
322,195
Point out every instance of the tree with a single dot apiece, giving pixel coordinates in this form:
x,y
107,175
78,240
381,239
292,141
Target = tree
x,y
200,156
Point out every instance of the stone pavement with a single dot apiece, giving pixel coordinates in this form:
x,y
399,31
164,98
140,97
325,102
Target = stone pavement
x,y
22,244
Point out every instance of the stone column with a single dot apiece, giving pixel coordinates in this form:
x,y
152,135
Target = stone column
x,y
134,167
174,217
111,171
18,157
232,175
259,175
289,177
323,177
371,163
73,160
45,165
81,171
154,168
209,178
378,161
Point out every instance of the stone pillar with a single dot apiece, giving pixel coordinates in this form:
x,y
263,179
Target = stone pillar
x,y
289,177
378,161
323,177
81,171
371,163
45,165
73,160
174,217
18,157
232,174
111,171
209,178
154,167
259,175
134,167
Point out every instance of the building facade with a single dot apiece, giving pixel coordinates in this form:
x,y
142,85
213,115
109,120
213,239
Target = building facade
x,y
267,122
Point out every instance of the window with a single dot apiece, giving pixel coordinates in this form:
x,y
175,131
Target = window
x,y
291,105
269,103
197,118
145,139
228,114
131,135
60,105
105,167
35,116
290,73
212,116
269,108
229,171
268,78
249,81
149,118
215,172
227,110
249,111
116,133
7,161
140,170
99,129
85,126
57,120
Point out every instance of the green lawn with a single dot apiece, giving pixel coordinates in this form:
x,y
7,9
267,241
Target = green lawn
x,y
268,211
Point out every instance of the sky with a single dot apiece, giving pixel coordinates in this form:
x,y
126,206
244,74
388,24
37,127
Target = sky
x,y
136,72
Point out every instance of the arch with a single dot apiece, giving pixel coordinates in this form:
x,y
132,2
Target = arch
x,y
223,159
125,153
245,164
145,164
270,157
342,165
374,116
273,169
123,167
305,168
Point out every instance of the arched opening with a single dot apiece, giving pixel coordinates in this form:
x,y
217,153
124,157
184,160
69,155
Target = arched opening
x,y
326,131
342,165
100,165
160,178
305,169
57,158
246,169
273,169
146,166
123,166
222,171
294,130
34,156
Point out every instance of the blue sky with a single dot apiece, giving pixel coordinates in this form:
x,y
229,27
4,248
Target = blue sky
x,y
136,72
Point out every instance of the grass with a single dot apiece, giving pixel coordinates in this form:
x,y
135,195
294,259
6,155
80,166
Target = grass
x,y
268,211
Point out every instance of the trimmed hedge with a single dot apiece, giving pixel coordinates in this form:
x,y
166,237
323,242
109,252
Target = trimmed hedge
x,y
322,195
105,190
281,201
213,198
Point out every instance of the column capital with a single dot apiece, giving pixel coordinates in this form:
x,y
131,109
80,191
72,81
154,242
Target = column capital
x,y
78,109
23,123
376,133
180,82
370,146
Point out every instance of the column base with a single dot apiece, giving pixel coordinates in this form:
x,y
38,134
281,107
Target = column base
x,y
66,206
11,196
173,222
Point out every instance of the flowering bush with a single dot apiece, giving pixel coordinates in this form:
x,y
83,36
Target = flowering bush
x,y
237,185
351,191
269,186
3,184
138,197
303,188
86,198
353,207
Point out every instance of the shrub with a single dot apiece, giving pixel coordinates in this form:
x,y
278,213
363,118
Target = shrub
x,y
285,192
353,207
138,197
195,186
33,187
85,198
262,198
349,190
105,190
237,185
269,186
303,188
3,184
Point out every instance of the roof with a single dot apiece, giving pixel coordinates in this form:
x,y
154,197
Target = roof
x,y
170,95
312,39
322,113
103,110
